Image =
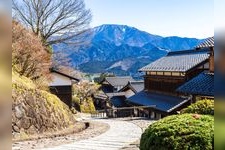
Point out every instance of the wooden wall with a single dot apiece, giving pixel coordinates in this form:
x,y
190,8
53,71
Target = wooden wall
x,y
168,84
163,84
211,61
64,93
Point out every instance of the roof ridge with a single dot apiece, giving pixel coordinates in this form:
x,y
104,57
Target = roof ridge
x,y
193,51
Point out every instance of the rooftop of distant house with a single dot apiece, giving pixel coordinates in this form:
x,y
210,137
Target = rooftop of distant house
x,y
64,74
118,81
136,86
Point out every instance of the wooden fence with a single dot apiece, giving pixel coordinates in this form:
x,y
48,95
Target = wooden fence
x,y
136,111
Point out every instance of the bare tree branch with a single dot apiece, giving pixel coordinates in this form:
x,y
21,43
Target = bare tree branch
x,y
55,21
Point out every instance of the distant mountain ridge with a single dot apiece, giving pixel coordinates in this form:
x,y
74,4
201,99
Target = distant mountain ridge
x,y
122,50
123,34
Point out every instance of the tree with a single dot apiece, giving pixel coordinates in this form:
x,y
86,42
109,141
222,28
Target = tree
x,y
29,56
61,60
54,21
82,96
84,90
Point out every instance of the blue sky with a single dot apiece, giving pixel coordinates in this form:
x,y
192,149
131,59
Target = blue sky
x,y
219,14
185,18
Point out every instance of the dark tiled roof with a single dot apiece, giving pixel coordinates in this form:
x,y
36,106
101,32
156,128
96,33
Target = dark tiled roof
x,y
209,42
118,101
178,61
162,102
118,81
203,84
136,86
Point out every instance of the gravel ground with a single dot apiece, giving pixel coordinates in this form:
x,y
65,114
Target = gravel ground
x,y
95,129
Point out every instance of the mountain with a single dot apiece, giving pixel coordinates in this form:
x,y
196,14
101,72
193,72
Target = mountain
x,y
122,34
122,50
175,43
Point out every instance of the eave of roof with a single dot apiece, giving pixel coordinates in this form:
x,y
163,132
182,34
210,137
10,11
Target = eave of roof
x,y
161,102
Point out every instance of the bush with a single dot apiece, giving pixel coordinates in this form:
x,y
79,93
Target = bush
x,y
86,106
82,96
186,131
205,107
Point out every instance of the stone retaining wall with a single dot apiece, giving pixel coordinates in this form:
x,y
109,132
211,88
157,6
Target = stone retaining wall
x,y
36,112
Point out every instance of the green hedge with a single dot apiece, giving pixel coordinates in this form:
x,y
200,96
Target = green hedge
x,y
180,132
205,107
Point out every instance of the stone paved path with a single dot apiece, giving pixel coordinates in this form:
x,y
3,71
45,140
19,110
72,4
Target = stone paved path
x,y
120,134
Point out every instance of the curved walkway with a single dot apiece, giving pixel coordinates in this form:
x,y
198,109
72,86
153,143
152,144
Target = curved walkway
x,y
120,134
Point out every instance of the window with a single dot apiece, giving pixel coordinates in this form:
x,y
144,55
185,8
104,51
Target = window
x,y
167,73
160,73
153,73
175,74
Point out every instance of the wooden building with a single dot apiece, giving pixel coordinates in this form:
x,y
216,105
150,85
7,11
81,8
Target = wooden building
x,y
112,96
164,76
202,86
111,86
208,44
61,86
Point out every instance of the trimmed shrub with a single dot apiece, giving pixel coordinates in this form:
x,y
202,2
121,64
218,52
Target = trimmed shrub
x,y
186,132
205,107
